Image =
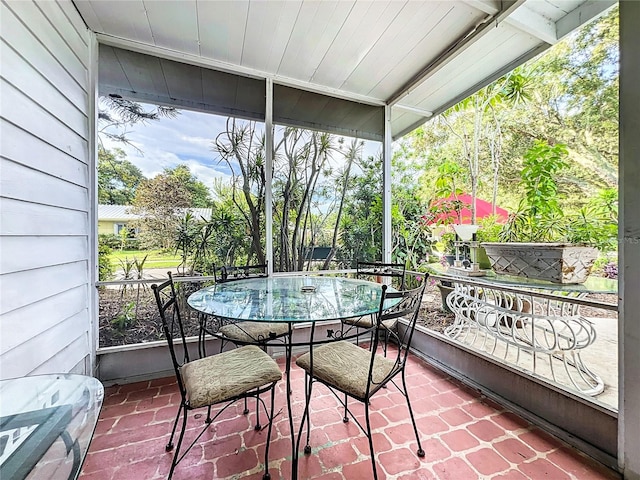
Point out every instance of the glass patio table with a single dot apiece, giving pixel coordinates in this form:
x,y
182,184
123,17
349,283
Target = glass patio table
x,y
293,300
290,299
46,425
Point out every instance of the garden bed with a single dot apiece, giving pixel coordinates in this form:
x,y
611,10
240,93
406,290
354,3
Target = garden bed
x,y
131,316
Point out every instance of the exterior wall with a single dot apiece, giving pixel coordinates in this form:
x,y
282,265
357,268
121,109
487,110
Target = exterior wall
x,y
46,193
105,227
629,326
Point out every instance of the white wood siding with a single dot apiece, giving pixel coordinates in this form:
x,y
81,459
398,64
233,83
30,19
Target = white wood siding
x,y
45,194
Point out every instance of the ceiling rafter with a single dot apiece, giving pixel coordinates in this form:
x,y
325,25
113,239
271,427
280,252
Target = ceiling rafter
x,y
588,11
455,50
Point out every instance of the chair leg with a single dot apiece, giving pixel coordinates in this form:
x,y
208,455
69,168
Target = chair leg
x,y
258,426
370,438
267,475
169,445
345,419
307,415
420,451
208,419
176,453
386,342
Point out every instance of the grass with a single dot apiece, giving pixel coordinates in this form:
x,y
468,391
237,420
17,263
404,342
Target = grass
x,y
155,258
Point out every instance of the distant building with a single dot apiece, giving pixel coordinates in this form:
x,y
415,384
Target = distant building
x,y
113,218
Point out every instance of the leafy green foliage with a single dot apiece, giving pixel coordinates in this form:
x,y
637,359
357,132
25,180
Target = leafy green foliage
x,y
105,269
125,318
542,163
540,217
199,193
160,202
117,178
489,230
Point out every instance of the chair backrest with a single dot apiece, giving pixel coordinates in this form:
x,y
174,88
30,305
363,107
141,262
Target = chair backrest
x,y
230,273
407,308
172,325
369,270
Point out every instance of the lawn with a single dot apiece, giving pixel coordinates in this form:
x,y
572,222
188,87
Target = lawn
x,y
155,258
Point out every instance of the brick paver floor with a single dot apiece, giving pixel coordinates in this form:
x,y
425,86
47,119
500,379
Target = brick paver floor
x,y
464,434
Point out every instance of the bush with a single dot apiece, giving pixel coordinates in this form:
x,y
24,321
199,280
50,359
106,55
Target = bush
x,y
105,270
131,244
110,240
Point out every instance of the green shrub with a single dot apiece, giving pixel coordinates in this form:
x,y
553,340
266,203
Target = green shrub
x,y
110,240
105,269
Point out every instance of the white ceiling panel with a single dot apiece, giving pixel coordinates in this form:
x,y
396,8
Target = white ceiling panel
x,y
222,30
268,32
554,9
450,21
174,25
124,19
478,59
355,40
421,54
315,31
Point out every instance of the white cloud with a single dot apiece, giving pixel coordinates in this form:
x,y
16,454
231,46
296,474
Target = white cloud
x,y
168,142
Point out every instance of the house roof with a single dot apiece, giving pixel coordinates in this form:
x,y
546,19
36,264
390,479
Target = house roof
x,y
123,213
418,57
483,209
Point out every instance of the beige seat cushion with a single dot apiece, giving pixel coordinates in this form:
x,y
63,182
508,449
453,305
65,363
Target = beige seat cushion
x,y
226,375
346,366
250,332
368,320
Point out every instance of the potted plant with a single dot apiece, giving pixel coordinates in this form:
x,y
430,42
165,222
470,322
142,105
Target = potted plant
x,y
541,241
489,231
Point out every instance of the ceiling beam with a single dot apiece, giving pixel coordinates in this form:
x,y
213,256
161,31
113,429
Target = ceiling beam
x,y
456,48
473,89
418,111
534,24
523,19
581,15
234,69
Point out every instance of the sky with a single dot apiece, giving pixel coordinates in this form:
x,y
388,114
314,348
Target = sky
x,y
168,142
186,139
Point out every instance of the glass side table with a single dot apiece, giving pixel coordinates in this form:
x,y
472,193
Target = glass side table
x,y
46,425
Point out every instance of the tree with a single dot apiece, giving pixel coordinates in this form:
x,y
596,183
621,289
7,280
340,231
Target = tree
x,y
116,115
200,195
242,149
161,203
354,152
117,178
361,223
469,118
568,95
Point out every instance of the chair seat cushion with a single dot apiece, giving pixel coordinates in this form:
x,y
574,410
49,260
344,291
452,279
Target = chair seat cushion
x,y
221,377
364,322
252,332
346,366
367,322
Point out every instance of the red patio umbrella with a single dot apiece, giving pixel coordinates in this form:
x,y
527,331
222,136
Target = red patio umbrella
x,y
483,209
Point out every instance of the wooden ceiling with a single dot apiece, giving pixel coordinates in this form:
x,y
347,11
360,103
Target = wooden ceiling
x,y
420,57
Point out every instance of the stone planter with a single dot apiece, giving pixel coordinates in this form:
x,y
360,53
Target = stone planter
x,y
553,262
445,289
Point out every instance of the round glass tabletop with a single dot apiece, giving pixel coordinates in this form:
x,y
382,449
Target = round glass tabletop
x,y
289,299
